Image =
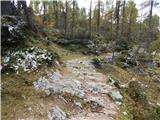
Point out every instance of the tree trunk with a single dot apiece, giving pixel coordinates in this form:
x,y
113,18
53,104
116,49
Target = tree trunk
x,y
117,17
113,47
112,22
26,12
57,15
130,24
66,24
90,20
150,28
28,17
98,18
44,12
117,31
73,18
123,20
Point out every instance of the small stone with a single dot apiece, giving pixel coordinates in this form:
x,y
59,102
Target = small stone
x,y
57,114
124,113
158,104
78,104
29,109
118,103
84,73
48,93
63,99
115,95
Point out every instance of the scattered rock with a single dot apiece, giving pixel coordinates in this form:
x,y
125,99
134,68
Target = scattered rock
x,y
57,114
57,84
116,96
48,93
29,109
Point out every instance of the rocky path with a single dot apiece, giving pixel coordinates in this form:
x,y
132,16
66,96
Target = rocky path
x,y
81,80
96,89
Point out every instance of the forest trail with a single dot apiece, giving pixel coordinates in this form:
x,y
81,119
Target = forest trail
x,y
95,87
88,89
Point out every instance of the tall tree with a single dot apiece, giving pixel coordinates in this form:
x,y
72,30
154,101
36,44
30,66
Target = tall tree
x,y
117,17
90,19
44,11
73,17
150,27
66,14
57,14
131,15
151,3
117,30
123,19
98,16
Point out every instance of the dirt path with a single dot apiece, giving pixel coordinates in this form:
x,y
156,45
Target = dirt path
x,y
82,80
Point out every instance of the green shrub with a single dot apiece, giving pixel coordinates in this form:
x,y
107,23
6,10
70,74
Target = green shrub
x,y
96,62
